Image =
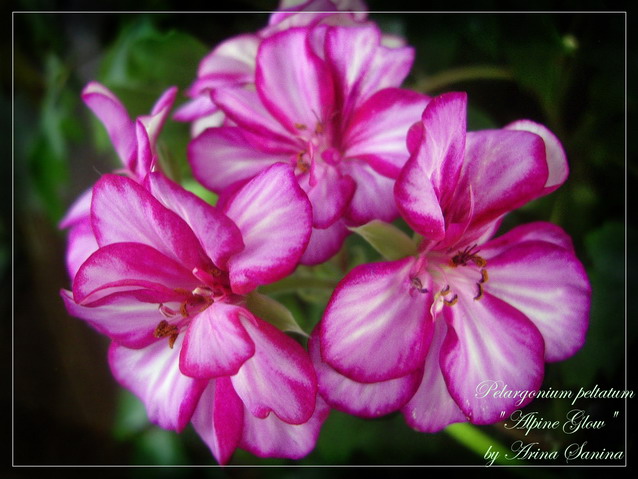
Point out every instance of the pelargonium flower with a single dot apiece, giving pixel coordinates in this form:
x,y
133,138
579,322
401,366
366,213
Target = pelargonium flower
x,y
135,144
325,101
168,285
421,333
232,62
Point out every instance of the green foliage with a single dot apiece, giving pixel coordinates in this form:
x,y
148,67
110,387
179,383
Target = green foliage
x,y
49,147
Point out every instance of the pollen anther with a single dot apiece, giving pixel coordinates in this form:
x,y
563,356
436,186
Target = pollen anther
x,y
479,295
484,276
416,283
468,254
451,302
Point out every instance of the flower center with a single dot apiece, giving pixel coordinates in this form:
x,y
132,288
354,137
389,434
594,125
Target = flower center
x,y
464,273
214,287
315,147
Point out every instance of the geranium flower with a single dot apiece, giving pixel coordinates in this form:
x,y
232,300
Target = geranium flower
x,y
325,102
135,144
420,334
168,285
232,62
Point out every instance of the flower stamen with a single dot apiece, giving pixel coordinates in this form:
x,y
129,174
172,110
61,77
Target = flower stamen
x,y
451,302
468,254
416,284
164,329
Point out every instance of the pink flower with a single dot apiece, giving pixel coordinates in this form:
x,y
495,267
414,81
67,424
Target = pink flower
x,y
134,142
333,113
167,284
422,333
232,63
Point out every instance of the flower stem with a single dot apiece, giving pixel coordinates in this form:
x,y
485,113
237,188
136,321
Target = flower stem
x,y
478,442
456,75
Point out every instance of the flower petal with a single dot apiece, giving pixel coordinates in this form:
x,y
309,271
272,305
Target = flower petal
x,y
223,156
274,216
438,161
330,195
81,244
367,400
272,437
80,210
278,378
247,110
555,155
217,233
348,53
154,122
196,108
325,243
377,130
549,285
232,62
374,327
534,231
120,128
123,211
296,92
489,340
506,169
216,344
373,198
418,202
153,375
432,408
127,266
390,65
219,419
122,317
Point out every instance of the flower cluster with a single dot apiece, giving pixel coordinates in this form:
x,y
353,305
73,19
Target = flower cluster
x,y
305,134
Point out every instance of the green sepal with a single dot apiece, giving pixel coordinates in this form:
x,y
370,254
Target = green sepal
x,y
387,239
274,312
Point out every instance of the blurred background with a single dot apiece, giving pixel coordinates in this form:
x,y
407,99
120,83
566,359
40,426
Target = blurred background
x,y
566,70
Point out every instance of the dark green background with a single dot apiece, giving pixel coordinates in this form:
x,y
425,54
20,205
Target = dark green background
x,y
566,70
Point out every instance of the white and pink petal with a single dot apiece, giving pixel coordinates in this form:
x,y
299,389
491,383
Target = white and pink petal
x,y
215,344
325,243
297,93
558,169
367,400
120,128
218,234
122,317
489,340
272,437
549,285
123,211
153,375
377,131
223,156
279,378
275,218
130,266
431,408
374,327
219,419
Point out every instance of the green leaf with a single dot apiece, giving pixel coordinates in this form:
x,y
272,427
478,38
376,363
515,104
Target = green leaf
x,y
603,351
387,239
130,419
147,61
274,312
